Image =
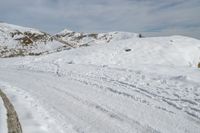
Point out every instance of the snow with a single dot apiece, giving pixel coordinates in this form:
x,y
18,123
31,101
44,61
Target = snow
x,y
106,99
3,119
154,87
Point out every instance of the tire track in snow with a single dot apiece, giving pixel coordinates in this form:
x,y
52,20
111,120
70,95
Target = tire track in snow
x,y
94,81
111,113
176,103
13,122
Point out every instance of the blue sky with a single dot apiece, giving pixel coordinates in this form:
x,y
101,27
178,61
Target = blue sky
x,y
150,17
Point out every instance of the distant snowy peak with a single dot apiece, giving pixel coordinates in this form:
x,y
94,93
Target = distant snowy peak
x,y
66,31
20,41
77,39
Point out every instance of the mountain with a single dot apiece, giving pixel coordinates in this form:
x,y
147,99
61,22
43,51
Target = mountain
x,y
124,47
78,39
21,41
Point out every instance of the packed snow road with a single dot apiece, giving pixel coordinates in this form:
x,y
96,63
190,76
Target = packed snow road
x,y
101,99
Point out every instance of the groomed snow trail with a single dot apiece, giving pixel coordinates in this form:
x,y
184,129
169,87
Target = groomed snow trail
x,y
86,98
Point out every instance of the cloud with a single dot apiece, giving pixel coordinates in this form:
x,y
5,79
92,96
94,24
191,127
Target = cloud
x,y
151,17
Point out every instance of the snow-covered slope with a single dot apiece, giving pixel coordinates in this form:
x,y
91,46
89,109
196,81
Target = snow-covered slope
x,y
20,41
143,85
83,97
77,39
161,51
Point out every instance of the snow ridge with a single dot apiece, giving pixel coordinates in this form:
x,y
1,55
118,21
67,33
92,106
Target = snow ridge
x,y
22,41
78,39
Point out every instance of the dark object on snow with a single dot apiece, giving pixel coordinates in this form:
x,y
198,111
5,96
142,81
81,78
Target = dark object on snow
x,y
199,65
71,62
140,36
128,50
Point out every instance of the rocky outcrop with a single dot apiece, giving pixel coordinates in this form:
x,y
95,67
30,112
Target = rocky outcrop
x,y
13,123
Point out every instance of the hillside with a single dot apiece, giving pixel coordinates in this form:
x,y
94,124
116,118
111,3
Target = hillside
x,y
21,41
175,51
120,83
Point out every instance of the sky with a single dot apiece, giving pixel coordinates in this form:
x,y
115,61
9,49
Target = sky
x,y
149,17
